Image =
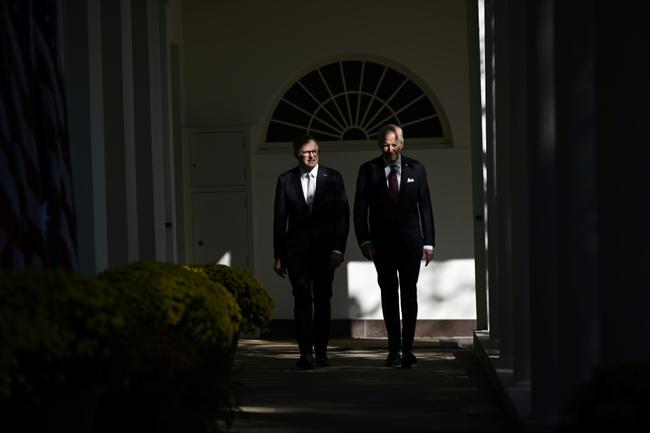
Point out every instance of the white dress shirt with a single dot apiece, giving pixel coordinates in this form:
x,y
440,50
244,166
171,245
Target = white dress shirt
x,y
308,181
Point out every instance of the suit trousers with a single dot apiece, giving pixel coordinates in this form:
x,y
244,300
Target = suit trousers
x,y
397,278
311,284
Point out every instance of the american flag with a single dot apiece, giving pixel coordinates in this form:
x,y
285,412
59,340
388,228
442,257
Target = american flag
x,y
37,223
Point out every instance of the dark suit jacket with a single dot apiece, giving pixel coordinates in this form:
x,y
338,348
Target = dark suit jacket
x,y
299,235
394,229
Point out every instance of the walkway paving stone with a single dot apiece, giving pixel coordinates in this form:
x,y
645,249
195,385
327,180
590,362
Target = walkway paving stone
x,y
444,392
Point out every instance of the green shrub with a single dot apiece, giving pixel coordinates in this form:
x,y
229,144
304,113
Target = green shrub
x,y
173,297
149,342
56,328
255,302
182,327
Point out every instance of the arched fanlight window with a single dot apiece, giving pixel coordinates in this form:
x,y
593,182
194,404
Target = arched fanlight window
x,y
350,100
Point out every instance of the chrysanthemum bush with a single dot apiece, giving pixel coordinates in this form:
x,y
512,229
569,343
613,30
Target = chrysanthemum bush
x,y
185,326
174,297
254,300
57,328
150,342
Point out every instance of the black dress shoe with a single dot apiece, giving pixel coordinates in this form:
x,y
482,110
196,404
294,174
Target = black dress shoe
x,y
322,360
393,359
306,362
408,360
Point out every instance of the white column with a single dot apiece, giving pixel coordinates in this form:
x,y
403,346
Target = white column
x,y
129,133
478,193
519,191
544,297
624,195
168,126
174,18
157,95
492,216
142,131
84,94
503,145
151,130
578,168
116,184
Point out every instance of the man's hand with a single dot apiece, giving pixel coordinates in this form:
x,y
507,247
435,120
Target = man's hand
x,y
368,251
427,255
279,268
335,260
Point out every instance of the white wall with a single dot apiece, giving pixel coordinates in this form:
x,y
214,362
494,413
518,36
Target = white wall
x,y
240,57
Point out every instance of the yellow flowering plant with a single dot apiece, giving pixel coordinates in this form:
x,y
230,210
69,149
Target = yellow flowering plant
x,y
254,300
57,327
174,297
183,326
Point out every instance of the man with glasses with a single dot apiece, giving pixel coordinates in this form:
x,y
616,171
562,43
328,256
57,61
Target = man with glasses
x,y
310,230
393,221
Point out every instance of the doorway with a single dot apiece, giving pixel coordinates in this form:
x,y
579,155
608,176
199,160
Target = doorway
x,y
217,197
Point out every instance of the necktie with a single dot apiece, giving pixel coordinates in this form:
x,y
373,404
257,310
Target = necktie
x,y
311,184
393,189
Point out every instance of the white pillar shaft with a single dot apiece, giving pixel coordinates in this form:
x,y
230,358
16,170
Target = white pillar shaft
x,y
129,133
84,95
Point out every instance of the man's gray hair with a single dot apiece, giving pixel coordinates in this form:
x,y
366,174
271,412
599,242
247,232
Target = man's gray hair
x,y
381,135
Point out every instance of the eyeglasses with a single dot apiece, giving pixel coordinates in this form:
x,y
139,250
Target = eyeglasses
x,y
309,152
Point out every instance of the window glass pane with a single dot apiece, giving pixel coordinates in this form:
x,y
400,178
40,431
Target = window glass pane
x,y
350,100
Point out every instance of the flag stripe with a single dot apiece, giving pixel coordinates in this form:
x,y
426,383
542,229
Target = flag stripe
x,y
38,230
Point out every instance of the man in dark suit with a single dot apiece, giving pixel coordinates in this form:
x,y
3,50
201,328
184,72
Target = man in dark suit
x,y
310,230
393,221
